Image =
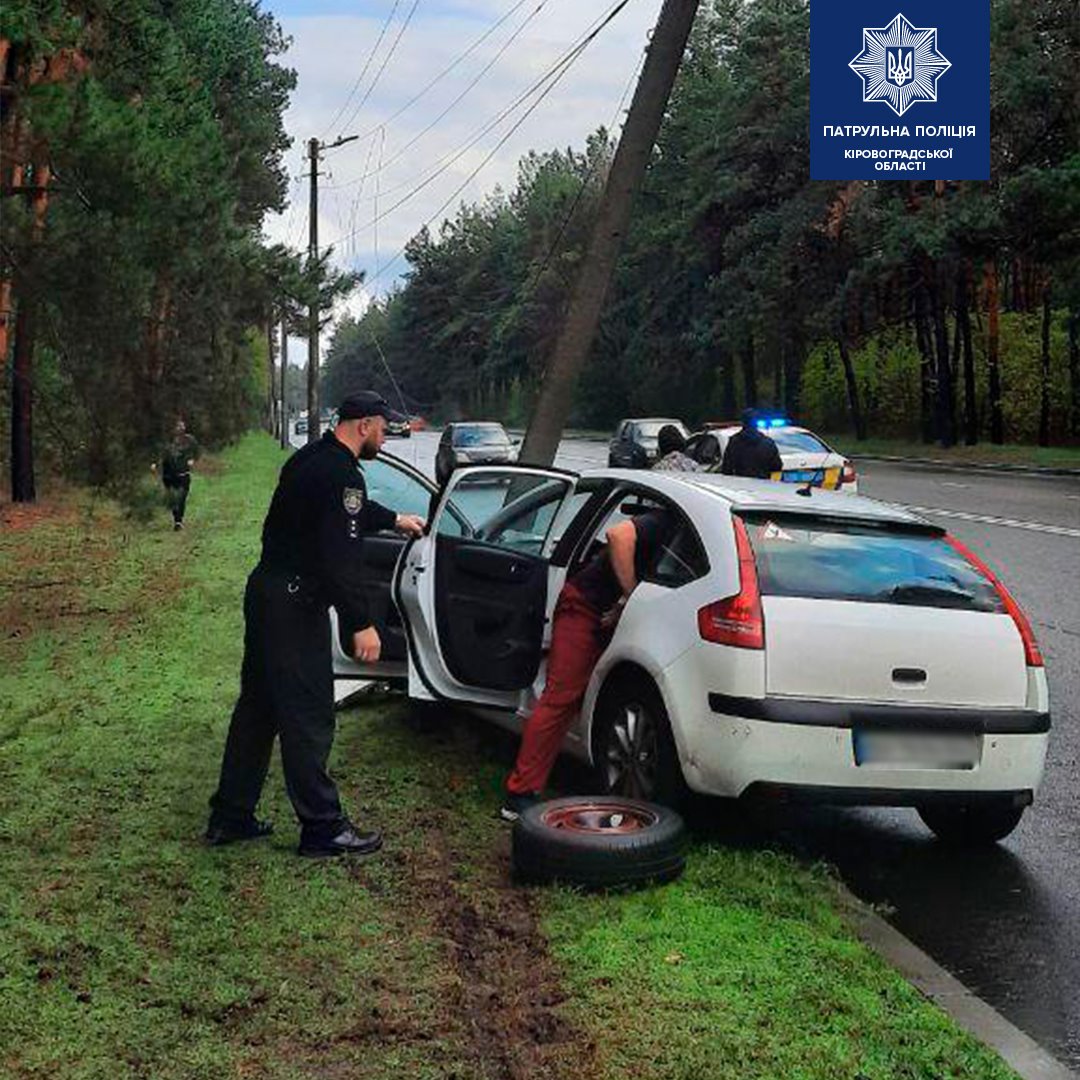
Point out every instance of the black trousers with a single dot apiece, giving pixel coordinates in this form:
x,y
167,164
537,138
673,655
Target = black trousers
x,y
286,689
176,491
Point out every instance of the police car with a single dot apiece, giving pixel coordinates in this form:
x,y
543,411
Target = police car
x,y
817,646
806,457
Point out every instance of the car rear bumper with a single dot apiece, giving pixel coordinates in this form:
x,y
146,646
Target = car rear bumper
x,y
742,755
737,743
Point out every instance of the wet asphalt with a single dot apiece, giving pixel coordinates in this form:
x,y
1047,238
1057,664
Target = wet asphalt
x,y
1005,921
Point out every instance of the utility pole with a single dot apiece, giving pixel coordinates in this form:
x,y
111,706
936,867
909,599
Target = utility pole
x,y
284,369
662,61
314,149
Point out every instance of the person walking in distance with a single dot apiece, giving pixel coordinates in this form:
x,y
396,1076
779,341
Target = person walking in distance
x,y
177,460
312,543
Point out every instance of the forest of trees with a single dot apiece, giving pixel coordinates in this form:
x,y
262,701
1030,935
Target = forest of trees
x,y
947,311
141,148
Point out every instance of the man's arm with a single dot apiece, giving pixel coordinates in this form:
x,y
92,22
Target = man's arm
x,y
621,544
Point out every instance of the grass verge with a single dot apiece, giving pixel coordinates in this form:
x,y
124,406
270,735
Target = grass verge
x,y
1039,457
127,949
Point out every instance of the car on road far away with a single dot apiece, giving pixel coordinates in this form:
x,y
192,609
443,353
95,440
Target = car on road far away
x,y
821,647
634,444
472,442
806,457
401,429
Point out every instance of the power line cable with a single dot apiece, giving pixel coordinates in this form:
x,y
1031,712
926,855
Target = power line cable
x,y
532,108
483,71
386,60
551,77
446,70
364,70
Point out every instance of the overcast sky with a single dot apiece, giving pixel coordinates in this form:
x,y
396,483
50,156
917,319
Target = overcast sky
x,y
332,41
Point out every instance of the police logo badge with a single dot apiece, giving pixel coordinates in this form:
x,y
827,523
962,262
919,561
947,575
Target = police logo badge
x,y
353,498
900,64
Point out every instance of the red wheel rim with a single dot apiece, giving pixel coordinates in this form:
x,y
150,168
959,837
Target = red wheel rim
x,y
602,817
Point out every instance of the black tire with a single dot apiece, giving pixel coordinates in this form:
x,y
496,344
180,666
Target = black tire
x,y
637,761
972,823
611,462
599,842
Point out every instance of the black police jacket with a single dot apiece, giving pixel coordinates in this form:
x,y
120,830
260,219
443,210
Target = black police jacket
x,y
750,453
315,527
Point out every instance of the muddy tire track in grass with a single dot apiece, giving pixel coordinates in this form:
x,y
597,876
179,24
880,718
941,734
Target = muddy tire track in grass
x,y
503,994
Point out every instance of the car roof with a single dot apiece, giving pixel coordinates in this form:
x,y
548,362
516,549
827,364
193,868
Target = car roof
x,y
651,420
743,493
475,423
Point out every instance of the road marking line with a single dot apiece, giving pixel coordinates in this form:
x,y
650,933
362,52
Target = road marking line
x,y
985,519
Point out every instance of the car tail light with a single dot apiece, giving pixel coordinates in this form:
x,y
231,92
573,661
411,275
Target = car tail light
x,y
1031,648
847,474
737,620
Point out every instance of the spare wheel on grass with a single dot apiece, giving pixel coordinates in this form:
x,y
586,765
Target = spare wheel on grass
x,y
599,841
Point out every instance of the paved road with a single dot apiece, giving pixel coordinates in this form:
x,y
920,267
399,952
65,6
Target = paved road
x,y
1005,921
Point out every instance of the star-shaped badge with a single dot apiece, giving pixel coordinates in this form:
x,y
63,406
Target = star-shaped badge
x,y
900,64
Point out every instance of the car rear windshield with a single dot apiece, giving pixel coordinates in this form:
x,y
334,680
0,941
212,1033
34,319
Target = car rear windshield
x,y
650,429
798,442
492,435
799,555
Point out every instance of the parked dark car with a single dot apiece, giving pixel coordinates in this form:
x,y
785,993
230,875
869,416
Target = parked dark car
x,y
472,443
633,446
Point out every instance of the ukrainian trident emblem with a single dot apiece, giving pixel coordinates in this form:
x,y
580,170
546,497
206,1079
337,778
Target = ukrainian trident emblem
x,y
899,64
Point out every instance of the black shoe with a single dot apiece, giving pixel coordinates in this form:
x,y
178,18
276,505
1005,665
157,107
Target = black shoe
x,y
347,842
516,805
177,526
228,832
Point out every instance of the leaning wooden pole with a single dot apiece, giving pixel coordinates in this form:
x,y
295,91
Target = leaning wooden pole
x,y
613,214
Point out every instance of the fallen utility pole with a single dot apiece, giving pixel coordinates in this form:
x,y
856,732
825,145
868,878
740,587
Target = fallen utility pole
x,y
662,60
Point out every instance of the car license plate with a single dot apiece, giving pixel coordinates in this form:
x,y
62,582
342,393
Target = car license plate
x,y
917,749
800,476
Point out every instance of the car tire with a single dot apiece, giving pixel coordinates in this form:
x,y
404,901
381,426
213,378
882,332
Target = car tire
x,y
598,842
972,823
634,751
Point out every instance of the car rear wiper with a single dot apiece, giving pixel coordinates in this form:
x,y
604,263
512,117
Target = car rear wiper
x,y
942,594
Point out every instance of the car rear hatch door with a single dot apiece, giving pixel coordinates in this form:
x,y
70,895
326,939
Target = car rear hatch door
x,y
879,611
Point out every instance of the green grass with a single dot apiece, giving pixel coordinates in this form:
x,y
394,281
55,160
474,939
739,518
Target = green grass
x,y
1046,457
128,949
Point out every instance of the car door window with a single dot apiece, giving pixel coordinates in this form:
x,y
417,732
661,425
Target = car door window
x,y
507,508
682,559
395,488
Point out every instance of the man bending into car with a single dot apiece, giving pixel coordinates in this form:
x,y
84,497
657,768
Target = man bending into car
x,y
586,614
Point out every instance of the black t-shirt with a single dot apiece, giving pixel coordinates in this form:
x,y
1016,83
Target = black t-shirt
x,y
315,527
596,579
751,453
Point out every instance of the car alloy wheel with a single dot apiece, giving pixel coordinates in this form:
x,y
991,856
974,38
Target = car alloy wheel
x,y
631,752
634,751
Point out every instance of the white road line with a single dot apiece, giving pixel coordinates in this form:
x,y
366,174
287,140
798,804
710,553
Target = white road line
x,y
984,519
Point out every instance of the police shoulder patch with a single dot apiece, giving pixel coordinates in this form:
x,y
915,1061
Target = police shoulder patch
x,y
353,499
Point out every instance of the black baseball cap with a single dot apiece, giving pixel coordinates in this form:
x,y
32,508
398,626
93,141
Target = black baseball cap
x,y
368,403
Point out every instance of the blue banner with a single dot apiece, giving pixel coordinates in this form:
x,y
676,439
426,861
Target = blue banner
x,y
899,92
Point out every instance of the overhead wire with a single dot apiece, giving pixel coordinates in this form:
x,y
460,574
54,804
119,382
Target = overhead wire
x,y
532,108
442,115
550,77
386,60
364,70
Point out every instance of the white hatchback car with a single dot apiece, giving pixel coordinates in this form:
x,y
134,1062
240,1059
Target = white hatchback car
x,y
801,644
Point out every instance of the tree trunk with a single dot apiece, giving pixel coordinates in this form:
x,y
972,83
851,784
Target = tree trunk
x,y
727,385
612,216
858,421
926,365
997,419
794,357
749,372
944,413
22,443
284,372
1074,373
963,322
1044,389
271,381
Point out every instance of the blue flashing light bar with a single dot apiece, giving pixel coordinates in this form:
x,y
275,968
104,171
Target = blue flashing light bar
x,y
773,421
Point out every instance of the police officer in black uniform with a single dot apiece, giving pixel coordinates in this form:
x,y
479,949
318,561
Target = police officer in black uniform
x,y
311,555
750,452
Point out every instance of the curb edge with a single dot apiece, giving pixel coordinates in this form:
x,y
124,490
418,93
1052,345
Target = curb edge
x,y
967,1009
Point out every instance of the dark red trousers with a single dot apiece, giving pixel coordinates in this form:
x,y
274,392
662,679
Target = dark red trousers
x,y
577,641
